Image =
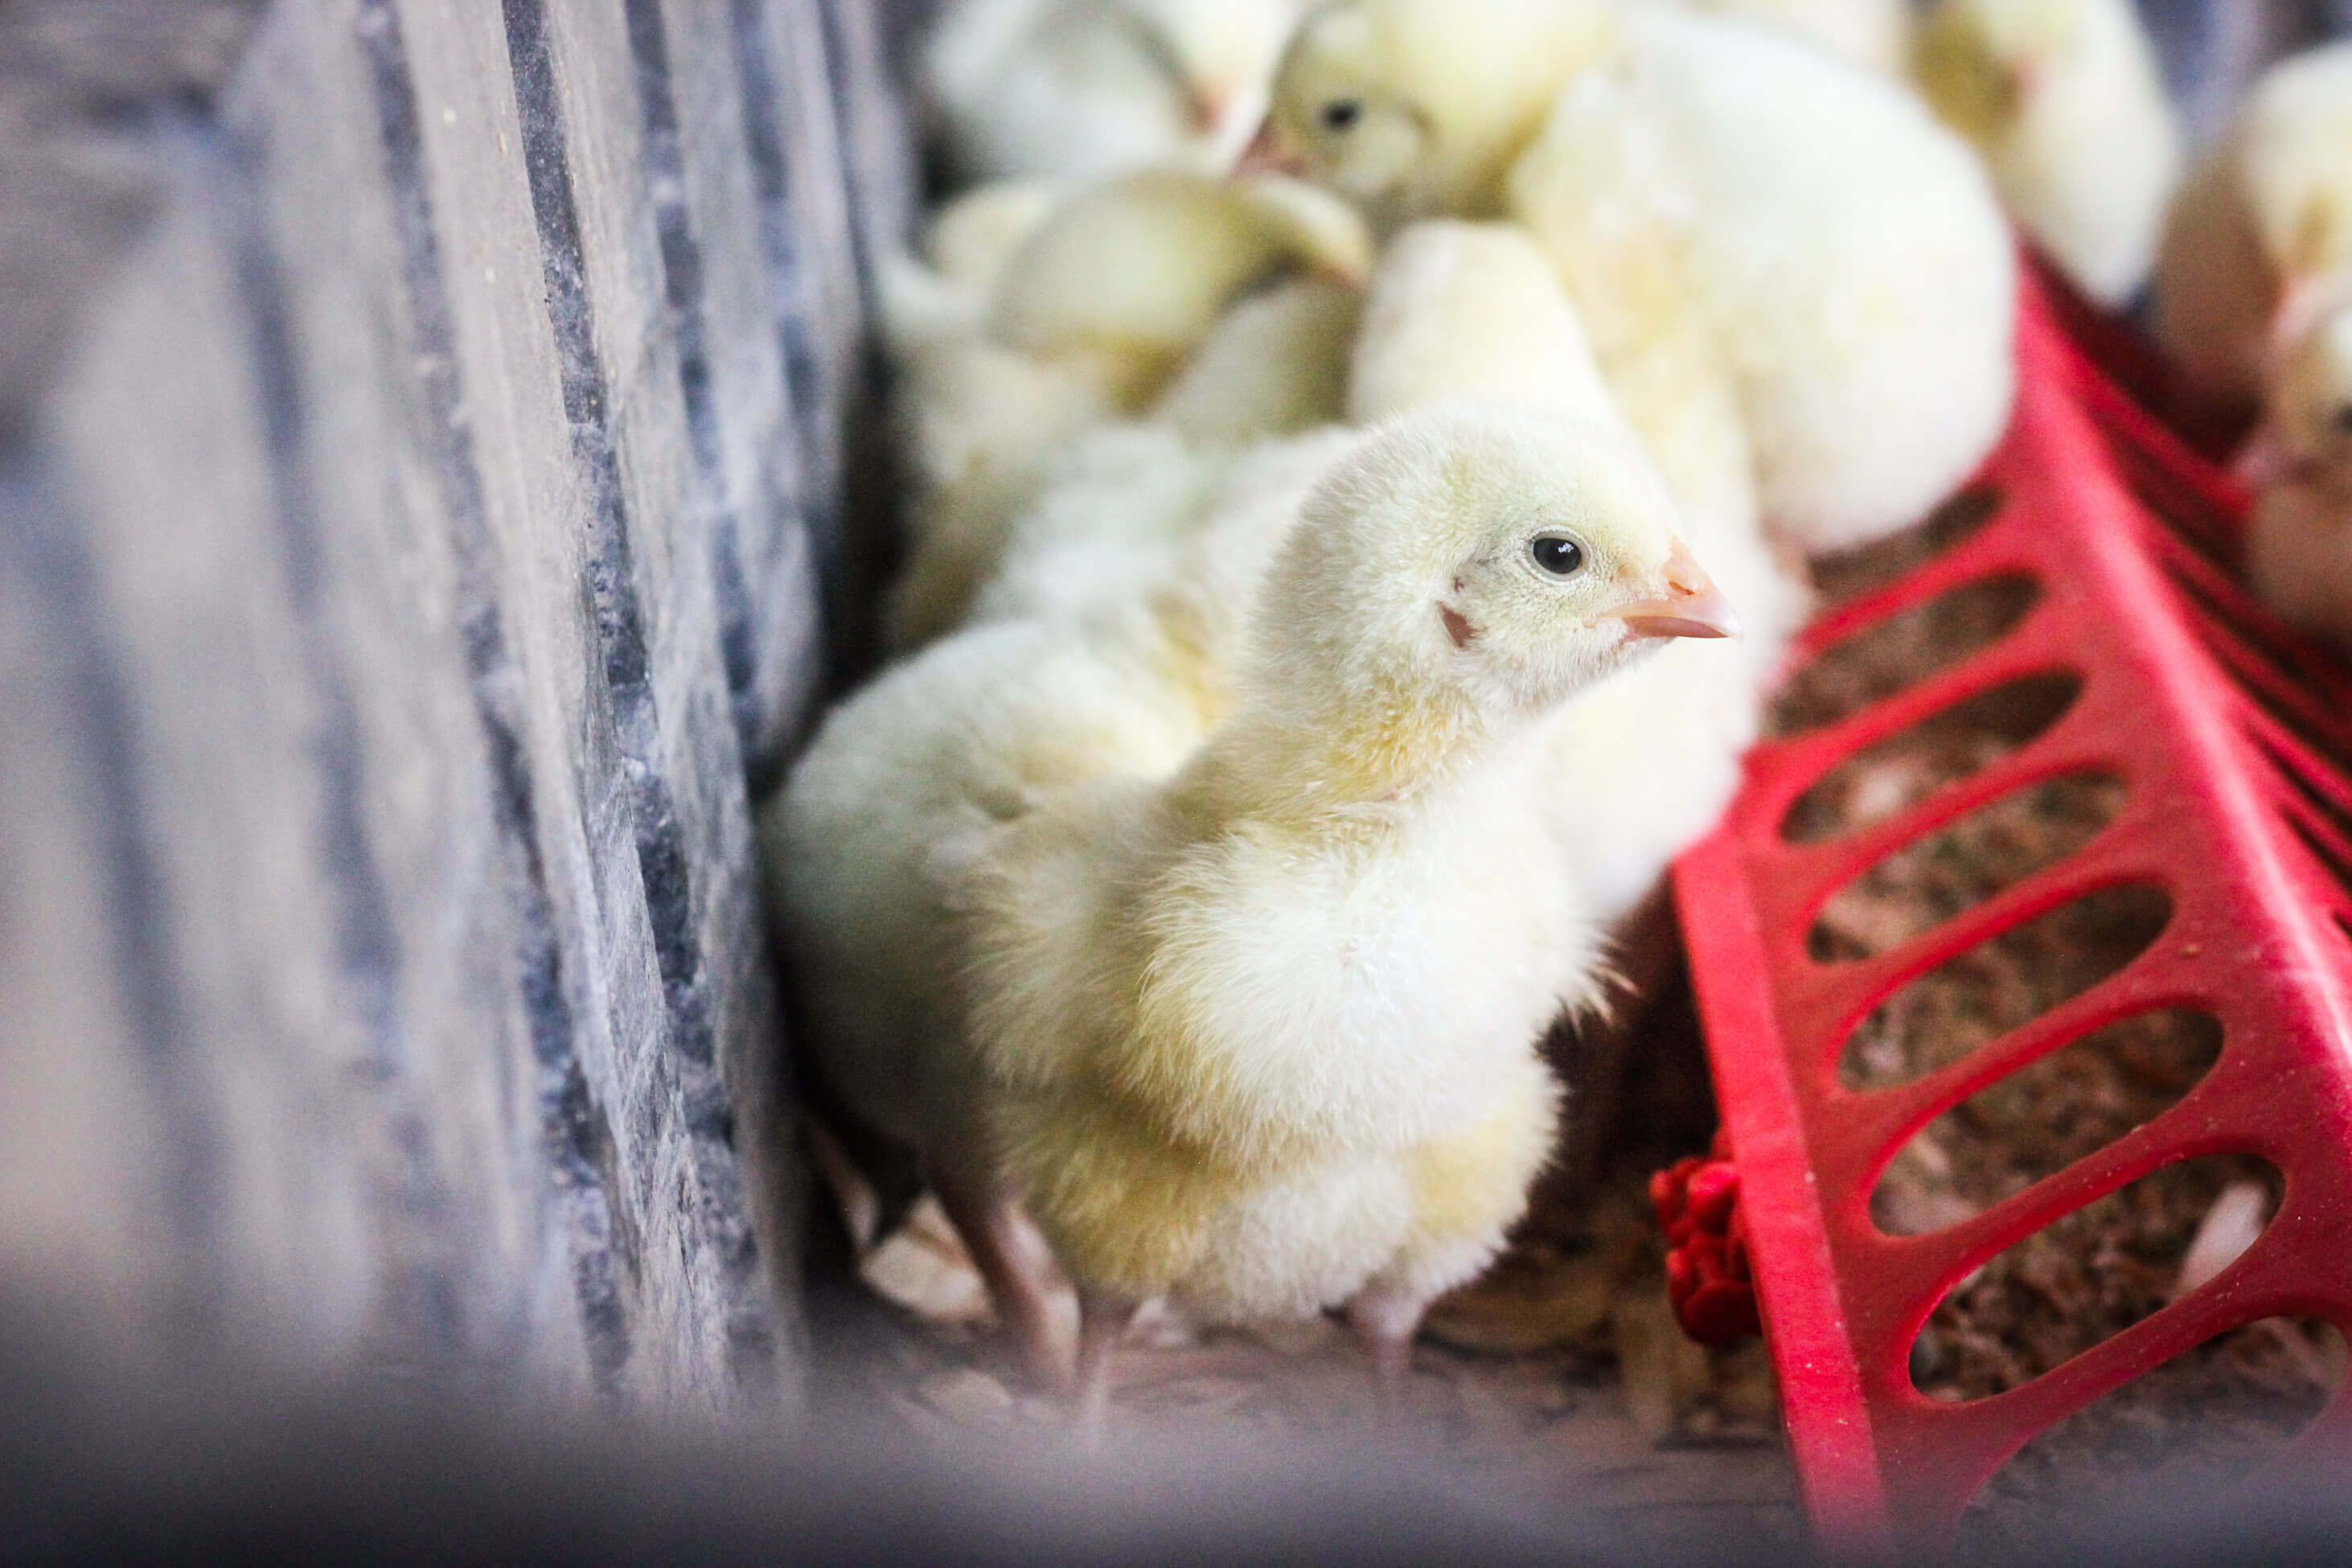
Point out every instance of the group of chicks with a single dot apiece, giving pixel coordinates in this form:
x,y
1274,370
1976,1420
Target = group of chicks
x,y
1362,461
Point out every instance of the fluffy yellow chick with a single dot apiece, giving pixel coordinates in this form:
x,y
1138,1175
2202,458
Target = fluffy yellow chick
x,y
1276,361
2066,103
966,246
1133,503
1644,764
1872,34
1717,196
1091,316
1262,1036
1085,88
2299,548
1417,108
1132,274
1841,250
861,847
2265,217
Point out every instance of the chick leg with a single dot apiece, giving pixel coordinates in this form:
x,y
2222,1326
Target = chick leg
x,y
1385,1319
984,1214
1103,1317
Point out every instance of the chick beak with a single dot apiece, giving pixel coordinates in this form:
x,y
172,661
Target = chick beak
x,y
1693,606
2267,460
2024,82
1267,153
2264,462
1205,107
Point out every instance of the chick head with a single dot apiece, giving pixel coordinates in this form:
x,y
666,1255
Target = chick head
x,y
1130,273
1220,54
1981,62
1486,555
2294,155
1416,108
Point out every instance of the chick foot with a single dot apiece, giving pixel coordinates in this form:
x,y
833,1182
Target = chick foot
x,y
989,1221
1385,1324
1103,1319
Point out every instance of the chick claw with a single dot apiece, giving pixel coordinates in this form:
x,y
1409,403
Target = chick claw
x,y
1386,1325
990,1223
1103,1319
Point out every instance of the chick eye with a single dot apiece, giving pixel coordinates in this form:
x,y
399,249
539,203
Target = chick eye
x,y
2342,419
1342,113
1557,553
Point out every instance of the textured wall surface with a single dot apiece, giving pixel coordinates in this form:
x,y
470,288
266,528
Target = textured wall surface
x,y
425,427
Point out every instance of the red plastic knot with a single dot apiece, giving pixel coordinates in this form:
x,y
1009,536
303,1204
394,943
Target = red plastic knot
x,y
1707,1280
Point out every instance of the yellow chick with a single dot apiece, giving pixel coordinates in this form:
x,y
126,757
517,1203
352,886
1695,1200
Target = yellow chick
x,y
1262,1036
966,246
1090,318
1717,196
1141,502
1842,252
2066,101
1643,764
1086,88
1875,35
860,848
1274,362
2265,218
1132,274
2299,547
1418,109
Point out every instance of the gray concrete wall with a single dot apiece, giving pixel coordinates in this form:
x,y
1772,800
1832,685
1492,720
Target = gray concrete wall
x,y
422,510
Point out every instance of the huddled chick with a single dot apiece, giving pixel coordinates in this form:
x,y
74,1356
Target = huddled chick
x,y
2065,100
1644,764
1261,1036
861,848
1875,35
1085,88
1727,206
2265,220
2254,299
1085,322
2299,546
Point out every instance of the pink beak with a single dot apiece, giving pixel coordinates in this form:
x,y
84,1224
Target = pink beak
x,y
1268,154
1205,107
2266,460
2263,461
1692,605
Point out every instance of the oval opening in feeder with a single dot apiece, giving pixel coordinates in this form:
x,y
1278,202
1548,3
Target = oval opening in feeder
x,y
2203,1421
2040,1118
1853,573
1938,875
1906,767
2004,981
1900,651
2089,1275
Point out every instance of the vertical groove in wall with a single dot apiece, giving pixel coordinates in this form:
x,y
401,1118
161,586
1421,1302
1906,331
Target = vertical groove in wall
x,y
663,862
571,1130
788,272
40,541
682,288
423,1293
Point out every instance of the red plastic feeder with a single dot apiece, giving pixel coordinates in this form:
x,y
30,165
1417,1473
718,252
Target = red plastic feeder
x,y
2230,741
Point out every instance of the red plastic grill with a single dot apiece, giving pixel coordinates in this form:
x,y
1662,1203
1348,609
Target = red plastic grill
x,y
2230,739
